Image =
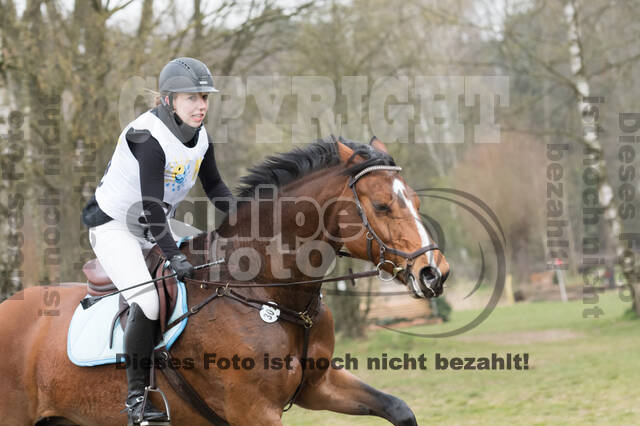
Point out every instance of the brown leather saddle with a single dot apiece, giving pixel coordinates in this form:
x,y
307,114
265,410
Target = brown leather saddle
x,y
99,284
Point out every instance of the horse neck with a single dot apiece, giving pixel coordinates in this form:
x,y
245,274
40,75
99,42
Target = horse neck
x,y
272,229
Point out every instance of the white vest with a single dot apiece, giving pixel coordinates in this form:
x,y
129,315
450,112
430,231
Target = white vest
x,y
119,195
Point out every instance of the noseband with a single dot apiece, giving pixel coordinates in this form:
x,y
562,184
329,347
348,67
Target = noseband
x,y
371,234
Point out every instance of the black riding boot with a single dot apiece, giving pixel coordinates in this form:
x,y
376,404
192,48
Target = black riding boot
x,y
139,337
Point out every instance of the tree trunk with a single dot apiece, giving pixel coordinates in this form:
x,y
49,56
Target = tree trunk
x,y
595,154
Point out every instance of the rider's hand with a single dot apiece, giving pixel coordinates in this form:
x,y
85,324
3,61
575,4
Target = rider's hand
x,y
181,266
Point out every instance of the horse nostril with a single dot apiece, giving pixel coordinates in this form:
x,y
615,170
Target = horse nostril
x,y
431,279
429,275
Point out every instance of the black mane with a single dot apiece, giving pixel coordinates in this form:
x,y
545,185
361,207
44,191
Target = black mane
x,y
282,169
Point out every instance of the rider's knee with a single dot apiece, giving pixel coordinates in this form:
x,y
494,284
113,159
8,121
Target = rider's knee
x,y
148,303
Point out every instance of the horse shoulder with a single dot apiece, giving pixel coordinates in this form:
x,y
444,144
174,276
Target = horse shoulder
x,y
321,341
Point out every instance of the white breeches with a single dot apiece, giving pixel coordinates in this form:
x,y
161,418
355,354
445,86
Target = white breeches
x,y
121,253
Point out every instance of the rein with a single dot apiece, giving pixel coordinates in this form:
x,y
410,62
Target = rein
x,y
223,289
244,284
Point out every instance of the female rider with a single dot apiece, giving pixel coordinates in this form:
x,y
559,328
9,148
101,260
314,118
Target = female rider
x,y
156,161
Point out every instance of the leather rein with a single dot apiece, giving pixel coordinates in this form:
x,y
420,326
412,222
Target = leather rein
x,y
303,318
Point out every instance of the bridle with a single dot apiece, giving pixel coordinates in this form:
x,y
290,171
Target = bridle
x,y
371,234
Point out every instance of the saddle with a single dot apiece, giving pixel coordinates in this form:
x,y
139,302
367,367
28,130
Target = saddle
x,y
99,284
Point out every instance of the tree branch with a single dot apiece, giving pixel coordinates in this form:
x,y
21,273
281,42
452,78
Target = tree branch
x,y
610,66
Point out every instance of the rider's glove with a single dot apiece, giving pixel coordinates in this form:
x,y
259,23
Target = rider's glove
x,y
181,266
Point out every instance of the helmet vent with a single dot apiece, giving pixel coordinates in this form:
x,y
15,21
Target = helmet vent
x,y
184,64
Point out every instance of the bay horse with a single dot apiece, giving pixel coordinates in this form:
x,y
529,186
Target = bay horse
x,y
338,194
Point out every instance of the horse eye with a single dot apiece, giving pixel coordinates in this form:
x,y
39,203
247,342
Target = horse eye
x,y
381,207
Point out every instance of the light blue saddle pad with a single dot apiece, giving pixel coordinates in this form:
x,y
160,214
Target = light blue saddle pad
x,y
89,331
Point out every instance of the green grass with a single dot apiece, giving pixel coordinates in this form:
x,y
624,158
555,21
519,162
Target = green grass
x,y
582,370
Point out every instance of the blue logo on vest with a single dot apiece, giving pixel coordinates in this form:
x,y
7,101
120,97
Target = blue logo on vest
x,y
176,176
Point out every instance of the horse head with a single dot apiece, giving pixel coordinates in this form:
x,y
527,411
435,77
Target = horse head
x,y
390,232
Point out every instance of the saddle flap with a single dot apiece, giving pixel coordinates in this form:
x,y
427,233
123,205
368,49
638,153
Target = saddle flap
x,y
167,293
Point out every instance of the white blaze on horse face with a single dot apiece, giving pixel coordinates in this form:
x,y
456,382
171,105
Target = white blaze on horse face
x,y
401,191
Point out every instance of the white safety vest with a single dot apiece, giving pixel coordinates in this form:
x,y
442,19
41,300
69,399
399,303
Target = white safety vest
x,y
119,195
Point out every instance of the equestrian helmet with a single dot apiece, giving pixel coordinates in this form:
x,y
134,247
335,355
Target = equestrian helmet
x,y
186,75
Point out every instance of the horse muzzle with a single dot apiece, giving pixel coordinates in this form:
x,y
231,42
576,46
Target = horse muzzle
x,y
428,284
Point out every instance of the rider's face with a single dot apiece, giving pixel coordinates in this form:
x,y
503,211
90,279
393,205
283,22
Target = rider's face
x,y
191,107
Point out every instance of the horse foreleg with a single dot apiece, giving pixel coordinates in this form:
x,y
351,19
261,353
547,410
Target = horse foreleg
x,y
342,392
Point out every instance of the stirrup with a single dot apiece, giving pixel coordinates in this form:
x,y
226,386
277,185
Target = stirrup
x,y
148,389
144,398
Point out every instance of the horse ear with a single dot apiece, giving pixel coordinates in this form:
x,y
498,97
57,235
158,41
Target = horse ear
x,y
377,144
344,152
